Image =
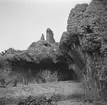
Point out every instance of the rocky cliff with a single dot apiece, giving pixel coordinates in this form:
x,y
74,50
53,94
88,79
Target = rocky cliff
x,y
90,18
90,21
87,35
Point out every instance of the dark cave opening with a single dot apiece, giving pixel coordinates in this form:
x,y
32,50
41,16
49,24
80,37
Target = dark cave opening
x,y
45,71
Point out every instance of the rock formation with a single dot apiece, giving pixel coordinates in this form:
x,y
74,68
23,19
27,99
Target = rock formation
x,y
37,52
75,17
42,37
88,23
50,36
88,19
69,46
41,62
82,51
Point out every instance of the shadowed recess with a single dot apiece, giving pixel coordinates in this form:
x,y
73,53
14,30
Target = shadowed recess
x,y
45,71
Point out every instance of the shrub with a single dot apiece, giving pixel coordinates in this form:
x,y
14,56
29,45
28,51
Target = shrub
x,y
47,75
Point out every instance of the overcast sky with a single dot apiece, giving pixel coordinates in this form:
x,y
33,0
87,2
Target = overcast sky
x,y
23,21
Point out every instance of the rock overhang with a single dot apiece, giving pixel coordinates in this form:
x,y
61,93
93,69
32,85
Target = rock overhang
x,y
38,52
39,56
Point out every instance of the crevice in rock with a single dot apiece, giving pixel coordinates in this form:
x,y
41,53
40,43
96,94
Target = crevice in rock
x,y
88,29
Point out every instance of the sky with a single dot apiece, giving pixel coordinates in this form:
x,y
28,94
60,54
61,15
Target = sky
x,y
23,21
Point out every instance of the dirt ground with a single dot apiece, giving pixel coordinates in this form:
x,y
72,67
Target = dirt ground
x,y
63,93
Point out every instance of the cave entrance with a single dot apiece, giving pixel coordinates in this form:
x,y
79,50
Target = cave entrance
x,y
46,72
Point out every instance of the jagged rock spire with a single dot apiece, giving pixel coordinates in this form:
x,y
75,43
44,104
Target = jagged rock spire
x,y
42,37
50,36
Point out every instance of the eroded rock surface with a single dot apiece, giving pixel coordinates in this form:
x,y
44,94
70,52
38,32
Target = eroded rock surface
x,y
37,52
88,23
50,36
75,17
82,48
88,19
41,62
42,37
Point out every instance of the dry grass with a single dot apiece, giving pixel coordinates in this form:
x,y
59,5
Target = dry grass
x,y
56,93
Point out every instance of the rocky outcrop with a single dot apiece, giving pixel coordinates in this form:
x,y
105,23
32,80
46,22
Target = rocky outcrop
x,y
50,36
80,55
42,37
41,62
75,17
70,47
88,23
88,19
37,52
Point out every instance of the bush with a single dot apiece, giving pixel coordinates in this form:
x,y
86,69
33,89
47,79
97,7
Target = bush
x,y
47,75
